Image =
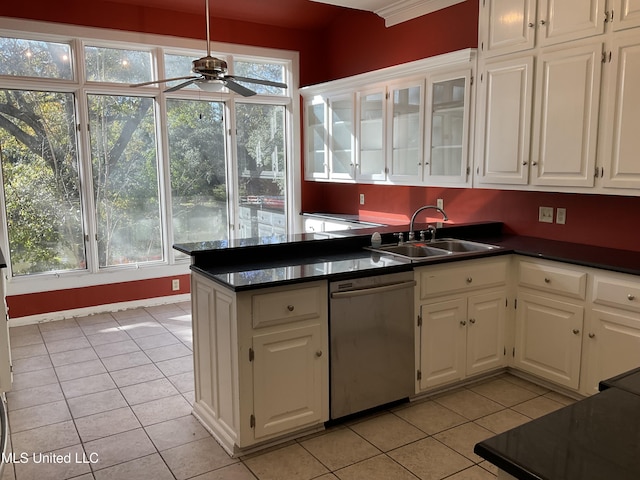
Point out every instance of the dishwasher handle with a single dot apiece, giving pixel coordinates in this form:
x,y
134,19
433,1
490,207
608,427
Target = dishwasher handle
x,y
373,290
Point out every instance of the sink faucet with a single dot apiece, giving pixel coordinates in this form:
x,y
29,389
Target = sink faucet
x,y
415,214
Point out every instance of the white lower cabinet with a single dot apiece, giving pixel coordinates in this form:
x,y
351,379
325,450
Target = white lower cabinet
x,y
287,386
612,343
549,320
461,328
549,338
575,326
261,361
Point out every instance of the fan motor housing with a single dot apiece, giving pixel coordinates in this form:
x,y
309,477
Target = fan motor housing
x,y
209,65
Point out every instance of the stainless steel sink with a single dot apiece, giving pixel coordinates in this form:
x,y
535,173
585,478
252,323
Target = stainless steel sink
x,y
454,245
410,250
423,250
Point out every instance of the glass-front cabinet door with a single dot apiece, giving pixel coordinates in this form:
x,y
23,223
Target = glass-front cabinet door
x,y
446,152
406,120
341,137
371,165
316,161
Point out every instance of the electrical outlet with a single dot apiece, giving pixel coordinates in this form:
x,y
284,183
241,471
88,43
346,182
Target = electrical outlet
x,y
440,203
362,199
175,284
561,216
545,214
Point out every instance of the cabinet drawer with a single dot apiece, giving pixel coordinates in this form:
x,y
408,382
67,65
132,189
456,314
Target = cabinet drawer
x,y
460,277
562,281
616,292
286,306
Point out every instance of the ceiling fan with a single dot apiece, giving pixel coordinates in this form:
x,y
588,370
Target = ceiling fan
x,y
211,74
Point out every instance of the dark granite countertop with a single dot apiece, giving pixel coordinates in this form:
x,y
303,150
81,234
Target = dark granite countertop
x,y
629,381
593,439
257,263
261,262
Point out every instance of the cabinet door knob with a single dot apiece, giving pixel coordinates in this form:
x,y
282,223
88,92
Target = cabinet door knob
x,y
575,331
469,279
290,308
592,335
319,353
543,22
547,280
631,297
531,24
463,322
472,320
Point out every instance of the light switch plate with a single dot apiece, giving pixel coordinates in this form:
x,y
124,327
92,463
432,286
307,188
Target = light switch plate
x,y
561,216
440,203
362,199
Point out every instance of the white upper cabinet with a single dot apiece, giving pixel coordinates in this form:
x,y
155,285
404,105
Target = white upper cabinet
x,y
412,124
508,26
503,124
406,116
447,139
565,123
341,137
564,20
371,140
625,14
621,143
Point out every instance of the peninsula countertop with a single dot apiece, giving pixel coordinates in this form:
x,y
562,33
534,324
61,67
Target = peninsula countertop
x,y
262,262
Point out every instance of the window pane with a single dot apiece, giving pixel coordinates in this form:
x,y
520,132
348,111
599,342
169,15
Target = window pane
x,y
198,173
178,66
41,183
30,58
125,179
116,65
262,71
261,175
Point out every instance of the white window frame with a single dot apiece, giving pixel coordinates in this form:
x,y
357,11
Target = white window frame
x,y
157,44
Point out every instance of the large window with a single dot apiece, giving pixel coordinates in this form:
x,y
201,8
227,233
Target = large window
x,y
97,175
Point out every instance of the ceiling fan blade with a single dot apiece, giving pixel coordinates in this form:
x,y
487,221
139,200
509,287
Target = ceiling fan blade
x,y
161,81
258,81
236,87
182,85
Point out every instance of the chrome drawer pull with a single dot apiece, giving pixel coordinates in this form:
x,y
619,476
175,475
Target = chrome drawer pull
x,y
469,279
631,297
290,308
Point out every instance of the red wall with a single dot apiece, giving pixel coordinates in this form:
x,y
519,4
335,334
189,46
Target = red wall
x,y
59,300
359,42
119,16
602,220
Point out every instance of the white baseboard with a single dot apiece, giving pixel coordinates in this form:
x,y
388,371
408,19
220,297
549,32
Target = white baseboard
x,y
106,308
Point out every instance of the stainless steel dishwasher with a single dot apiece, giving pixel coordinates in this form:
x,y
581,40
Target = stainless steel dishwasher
x,y
371,332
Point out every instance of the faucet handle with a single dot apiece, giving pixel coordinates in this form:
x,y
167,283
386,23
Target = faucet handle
x,y
400,238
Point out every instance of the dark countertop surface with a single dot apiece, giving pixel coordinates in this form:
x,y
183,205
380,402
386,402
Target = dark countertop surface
x,y
594,439
628,381
268,261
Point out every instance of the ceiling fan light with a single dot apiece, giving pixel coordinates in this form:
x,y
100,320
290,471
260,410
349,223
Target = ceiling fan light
x,y
211,85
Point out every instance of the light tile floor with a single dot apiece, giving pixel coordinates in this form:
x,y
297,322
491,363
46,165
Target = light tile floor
x,y
116,389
